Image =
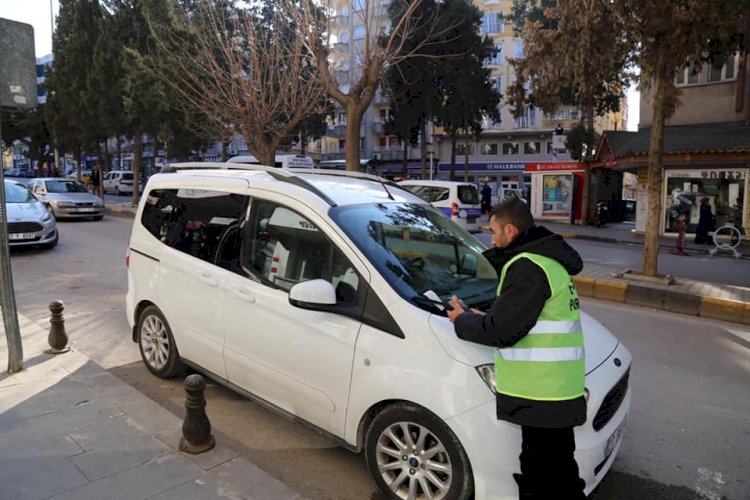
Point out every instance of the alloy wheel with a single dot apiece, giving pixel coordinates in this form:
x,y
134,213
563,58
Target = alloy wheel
x,y
155,342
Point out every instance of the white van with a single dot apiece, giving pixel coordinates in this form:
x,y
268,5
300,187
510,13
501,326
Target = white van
x,y
281,161
319,295
457,200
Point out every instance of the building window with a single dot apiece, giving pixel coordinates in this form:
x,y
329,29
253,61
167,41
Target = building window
x,y
716,72
491,23
510,148
359,32
549,148
499,56
532,148
489,149
360,4
383,114
518,52
342,144
342,119
461,149
383,142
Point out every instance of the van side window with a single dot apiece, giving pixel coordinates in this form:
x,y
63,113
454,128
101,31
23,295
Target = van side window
x,y
285,248
430,194
201,223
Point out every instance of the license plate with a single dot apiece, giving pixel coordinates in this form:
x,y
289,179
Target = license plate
x,y
613,440
21,236
87,210
471,219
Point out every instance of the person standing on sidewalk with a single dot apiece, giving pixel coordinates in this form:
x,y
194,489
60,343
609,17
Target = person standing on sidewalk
x,y
486,199
705,222
535,325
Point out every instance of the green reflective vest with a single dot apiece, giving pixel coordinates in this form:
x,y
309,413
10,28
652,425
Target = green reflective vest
x,y
548,363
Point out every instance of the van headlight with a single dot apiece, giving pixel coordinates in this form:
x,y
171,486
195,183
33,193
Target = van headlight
x,y
487,372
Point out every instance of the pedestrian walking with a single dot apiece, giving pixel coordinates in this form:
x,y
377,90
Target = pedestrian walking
x,y
535,325
705,222
486,199
95,180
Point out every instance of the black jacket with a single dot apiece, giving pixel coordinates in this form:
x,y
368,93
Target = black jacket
x,y
514,313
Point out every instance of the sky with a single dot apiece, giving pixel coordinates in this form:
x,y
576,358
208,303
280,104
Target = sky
x,y
37,14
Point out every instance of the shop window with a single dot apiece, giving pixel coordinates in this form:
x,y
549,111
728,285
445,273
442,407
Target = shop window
x,y
532,148
462,148
510,148
489,149
723,188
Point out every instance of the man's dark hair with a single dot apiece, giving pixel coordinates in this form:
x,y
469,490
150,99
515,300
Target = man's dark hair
x,y
514,211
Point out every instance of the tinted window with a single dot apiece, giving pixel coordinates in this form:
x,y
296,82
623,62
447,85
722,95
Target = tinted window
x,y
468,195
285,248
65,187
430,194
201,223
128,176
418,250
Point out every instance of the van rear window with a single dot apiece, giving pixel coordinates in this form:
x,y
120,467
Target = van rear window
x,y
468,195
430,194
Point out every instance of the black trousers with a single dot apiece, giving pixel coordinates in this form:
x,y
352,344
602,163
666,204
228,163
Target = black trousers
x,y
548,468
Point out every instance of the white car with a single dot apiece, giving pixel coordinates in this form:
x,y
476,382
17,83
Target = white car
x,y
317,293
119,182
457,200
30,222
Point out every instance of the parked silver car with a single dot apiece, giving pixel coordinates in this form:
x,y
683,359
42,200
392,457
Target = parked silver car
x,y
30,222
67,198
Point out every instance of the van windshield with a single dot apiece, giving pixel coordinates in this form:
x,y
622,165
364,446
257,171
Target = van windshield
x,y
468,195
419,250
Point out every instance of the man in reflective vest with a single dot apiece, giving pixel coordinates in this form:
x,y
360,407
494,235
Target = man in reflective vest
x,y
534,324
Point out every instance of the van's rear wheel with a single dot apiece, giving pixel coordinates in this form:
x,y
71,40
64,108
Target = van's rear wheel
x,y
157,346
412,454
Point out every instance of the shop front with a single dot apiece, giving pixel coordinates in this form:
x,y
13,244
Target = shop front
x,y
556,190
725,189
504,179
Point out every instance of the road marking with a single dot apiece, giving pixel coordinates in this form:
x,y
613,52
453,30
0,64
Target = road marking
x,y
709,483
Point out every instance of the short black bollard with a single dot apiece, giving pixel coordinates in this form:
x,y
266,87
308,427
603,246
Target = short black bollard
x,y
196,429
58,338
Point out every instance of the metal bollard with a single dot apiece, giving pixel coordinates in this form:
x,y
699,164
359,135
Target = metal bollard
x,y
196,429
58,338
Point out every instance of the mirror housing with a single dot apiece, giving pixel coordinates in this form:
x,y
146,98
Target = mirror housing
x,y
314,294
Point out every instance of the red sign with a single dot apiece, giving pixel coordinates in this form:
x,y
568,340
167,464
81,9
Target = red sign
x,y
553,166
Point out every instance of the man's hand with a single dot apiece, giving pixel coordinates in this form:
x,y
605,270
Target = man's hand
x,y
457,309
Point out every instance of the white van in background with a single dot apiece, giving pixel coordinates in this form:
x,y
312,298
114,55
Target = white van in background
x,y
457,200
281,161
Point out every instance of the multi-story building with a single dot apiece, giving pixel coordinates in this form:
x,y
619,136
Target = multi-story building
x,y
706,152
513,155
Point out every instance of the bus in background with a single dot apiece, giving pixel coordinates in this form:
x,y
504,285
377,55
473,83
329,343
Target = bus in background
x,y
281,161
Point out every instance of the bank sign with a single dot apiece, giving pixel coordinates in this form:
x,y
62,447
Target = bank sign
x,y
499,167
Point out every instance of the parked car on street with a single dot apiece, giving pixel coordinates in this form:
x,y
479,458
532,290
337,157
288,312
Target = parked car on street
x,y
457,200
85,176
30,222
119,182
67,198
320,294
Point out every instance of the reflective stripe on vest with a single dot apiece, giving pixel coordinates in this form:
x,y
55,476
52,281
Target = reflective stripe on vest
x,y
548,363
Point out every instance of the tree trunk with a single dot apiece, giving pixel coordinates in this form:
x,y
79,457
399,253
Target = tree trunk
x,y
466,156
406,157
137,165
303,143
223,150
655,179
454,141
119,153
353,121
423,146
78,163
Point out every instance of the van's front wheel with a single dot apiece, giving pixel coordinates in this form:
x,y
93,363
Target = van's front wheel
x,y
157,346
412,454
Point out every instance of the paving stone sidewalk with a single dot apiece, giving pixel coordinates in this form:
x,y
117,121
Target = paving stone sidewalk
x,y
71,430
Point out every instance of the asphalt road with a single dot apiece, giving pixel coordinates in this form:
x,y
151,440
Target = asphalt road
x,y
687,436
719,269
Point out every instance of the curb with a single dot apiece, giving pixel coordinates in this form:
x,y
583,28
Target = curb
x,y
120,212
666,300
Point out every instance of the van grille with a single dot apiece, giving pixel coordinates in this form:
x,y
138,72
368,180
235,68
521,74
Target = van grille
x,y
611,402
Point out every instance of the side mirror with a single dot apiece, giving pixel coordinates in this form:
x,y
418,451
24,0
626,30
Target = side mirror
x,y
313,294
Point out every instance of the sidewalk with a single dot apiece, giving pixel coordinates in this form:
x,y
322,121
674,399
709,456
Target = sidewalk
x,y
71,430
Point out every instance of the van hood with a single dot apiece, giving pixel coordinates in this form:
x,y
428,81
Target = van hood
x,y
598,341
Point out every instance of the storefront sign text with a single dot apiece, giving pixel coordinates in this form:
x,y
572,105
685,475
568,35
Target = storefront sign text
x,y
553,166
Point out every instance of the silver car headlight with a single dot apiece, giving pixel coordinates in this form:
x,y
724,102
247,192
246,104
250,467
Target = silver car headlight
x,y
47,217
99,204
63,204
487,373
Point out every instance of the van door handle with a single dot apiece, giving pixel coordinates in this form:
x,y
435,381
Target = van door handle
x,y
209,280
244,294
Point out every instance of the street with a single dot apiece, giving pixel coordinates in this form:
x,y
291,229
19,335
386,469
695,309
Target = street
x,y
688,430
719,269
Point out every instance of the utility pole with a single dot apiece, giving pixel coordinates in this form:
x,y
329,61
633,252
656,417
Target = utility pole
x,y
17,90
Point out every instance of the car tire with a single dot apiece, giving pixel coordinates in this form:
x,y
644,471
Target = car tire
x,y
157,345
408,449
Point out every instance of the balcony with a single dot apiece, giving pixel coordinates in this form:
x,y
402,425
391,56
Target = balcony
x,y
378,127
336,131
525,122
